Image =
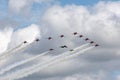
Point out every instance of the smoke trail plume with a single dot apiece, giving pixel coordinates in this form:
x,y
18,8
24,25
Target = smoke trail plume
x,y
10,51
16,49
15,74
22,62
39,67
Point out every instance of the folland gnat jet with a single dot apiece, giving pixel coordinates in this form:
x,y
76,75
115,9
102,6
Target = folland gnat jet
x,y
71,50
61,36
64,46
81,36
75,33
51,49
86,39
91,42
25,42
49,38
97,45
37,40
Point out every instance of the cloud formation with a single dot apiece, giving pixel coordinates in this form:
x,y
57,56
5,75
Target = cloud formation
x,y
10,38
5,38
22,5
99,22
28,34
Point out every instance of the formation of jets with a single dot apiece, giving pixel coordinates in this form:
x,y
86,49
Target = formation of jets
x,y
27,42
65,46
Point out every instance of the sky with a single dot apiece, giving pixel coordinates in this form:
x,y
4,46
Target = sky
x,y
98,20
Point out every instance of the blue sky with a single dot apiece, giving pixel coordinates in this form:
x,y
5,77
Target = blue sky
x,y
82,2
79,2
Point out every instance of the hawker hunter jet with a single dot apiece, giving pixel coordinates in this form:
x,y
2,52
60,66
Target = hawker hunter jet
x,y
64,46
75,33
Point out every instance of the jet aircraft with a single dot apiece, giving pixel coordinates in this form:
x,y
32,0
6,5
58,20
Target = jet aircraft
x,y
37,40
71,50
97,45
25,42
64,46
75,33
91,42
86,39
81,36
49,38
51,49
61,36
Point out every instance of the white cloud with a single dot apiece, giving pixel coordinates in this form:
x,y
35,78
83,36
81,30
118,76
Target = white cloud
x,y
5,38
100,21
118,77
18,6
101,75
10,38
25,34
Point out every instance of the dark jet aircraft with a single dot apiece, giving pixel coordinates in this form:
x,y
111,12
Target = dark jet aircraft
x,y
25,42
81,36
71,50
91,42
51,49
86,39
75,33
61,36
49,38
37,40
64,46
97,45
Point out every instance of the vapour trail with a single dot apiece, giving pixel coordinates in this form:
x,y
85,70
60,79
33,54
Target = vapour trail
x,y
39,67
6,54
18,49
9,51
22,62
53,59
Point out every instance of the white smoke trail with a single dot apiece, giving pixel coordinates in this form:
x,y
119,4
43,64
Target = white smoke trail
x,y
76,54
9,51
22,62
17,49
14,74
39,67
